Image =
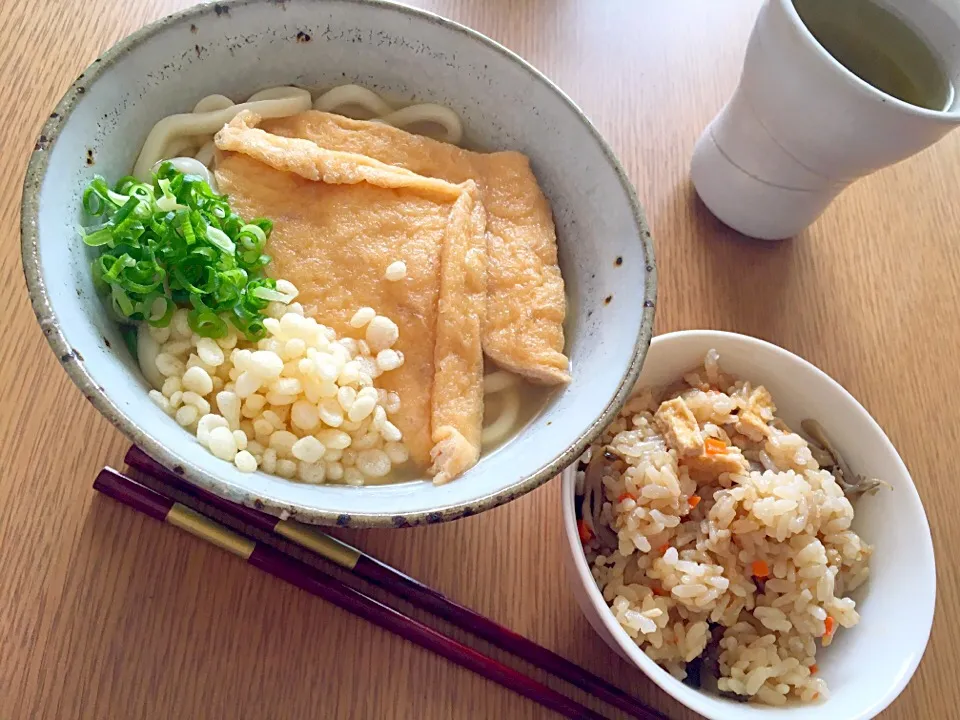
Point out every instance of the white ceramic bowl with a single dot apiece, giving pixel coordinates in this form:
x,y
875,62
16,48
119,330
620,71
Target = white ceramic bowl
x,y
867,666
237,48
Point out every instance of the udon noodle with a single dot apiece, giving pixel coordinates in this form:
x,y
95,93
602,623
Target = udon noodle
x,y
192,133
187,140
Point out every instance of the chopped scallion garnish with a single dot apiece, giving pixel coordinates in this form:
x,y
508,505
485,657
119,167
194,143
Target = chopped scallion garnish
x,y
176,243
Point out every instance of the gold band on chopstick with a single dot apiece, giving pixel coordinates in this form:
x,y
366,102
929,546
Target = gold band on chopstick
x,y
203,527
320,543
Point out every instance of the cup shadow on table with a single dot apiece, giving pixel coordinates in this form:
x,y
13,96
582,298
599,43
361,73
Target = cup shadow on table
x,y
740,284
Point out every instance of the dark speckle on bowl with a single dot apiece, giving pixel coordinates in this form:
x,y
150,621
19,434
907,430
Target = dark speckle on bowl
x,y
435,517
81,90
618,261
258,503
178,469
608,299
221,9
649,268
107,343
193,28
343,520
90,159
303,37
399,521
648,303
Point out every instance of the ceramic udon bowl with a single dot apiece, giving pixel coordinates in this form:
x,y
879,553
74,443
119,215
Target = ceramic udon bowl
x,y
867,666
237,48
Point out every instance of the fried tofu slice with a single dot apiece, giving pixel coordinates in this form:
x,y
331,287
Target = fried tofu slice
x,y
312,162
334,242
458,381
677,424
526,305
712,465
760,402
751,426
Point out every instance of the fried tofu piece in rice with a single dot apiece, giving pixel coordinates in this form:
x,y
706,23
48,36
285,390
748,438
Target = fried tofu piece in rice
x,y
678,425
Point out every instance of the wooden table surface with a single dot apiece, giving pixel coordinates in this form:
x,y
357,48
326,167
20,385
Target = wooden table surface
x,y
105,614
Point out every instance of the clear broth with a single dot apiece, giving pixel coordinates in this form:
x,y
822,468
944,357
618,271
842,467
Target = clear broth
x,y
533,399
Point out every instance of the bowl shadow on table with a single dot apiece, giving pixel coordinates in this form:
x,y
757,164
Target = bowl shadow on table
x,y
171,604
167,605
173,607
581,643
740,284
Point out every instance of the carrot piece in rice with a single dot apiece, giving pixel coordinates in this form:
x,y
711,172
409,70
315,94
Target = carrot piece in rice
x,y
713,446
586,535
760,569
829,626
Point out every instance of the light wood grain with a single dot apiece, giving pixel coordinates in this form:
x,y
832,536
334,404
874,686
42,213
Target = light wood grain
x,y
104,614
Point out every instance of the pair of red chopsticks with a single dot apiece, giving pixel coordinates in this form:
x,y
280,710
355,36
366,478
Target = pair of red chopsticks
x,y
161,507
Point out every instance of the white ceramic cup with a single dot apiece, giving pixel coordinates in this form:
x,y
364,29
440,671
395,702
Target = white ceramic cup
x,y
800,127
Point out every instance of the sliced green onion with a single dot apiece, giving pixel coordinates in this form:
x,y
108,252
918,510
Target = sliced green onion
x,y
273,295
207,323
122,302
252,237
162,318
176,243
221,240
129,335
124,184
103,236
168,201
117,199
96,199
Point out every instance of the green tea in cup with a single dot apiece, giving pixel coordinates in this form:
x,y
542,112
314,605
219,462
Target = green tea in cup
x,y
879,48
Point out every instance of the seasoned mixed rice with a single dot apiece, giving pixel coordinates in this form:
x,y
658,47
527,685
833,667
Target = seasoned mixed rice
x,y
721,545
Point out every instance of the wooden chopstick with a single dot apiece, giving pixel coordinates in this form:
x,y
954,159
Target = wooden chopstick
x,y
114,484
401,585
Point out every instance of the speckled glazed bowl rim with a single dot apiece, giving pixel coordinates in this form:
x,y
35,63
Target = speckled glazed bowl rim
x,y
49,323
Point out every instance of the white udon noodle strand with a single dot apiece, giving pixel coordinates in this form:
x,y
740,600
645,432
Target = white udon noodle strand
x,y
293,101
347,96
344,96
192,133
426,113
507,385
